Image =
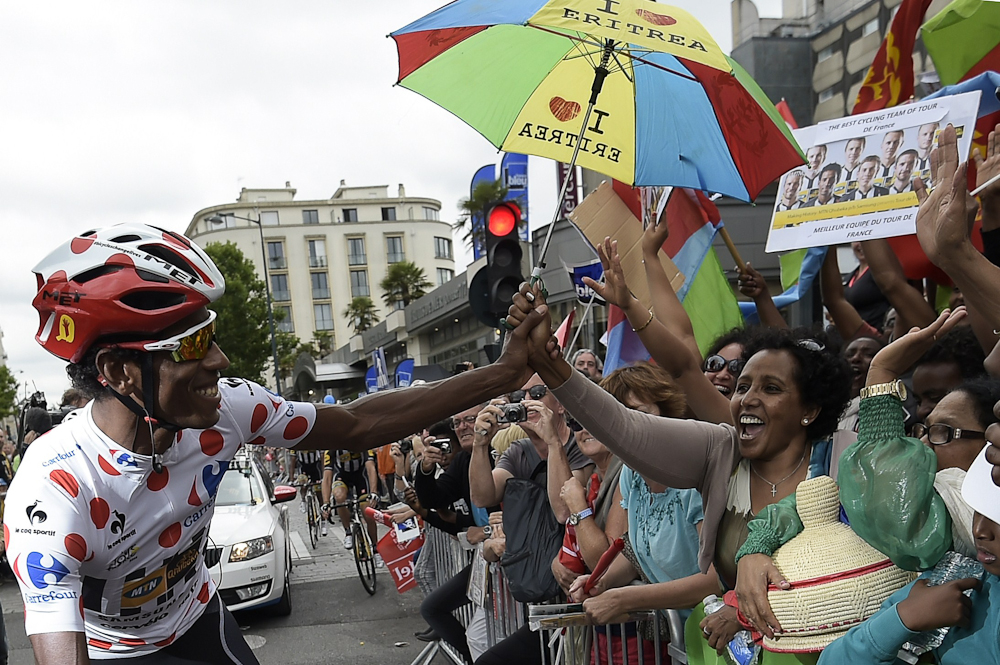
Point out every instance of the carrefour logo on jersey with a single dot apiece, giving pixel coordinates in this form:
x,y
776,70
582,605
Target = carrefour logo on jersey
x,y
123,458
45,569
52,595
59,457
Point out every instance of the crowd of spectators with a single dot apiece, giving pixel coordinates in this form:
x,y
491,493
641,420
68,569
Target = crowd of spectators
x,y
695,460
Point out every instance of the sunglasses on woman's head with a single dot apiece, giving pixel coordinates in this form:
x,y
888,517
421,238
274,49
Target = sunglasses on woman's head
x,y
716,363
192,344
811,345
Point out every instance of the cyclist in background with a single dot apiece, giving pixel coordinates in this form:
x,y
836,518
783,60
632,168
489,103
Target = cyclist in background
x,y
345,470
308,463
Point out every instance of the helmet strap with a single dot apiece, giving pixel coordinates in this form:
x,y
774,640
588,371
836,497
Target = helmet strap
x,y
142,412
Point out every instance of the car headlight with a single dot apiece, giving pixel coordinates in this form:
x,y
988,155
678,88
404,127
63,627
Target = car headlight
x,y
251,549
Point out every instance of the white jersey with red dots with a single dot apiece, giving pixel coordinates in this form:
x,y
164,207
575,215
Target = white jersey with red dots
x,y
101,544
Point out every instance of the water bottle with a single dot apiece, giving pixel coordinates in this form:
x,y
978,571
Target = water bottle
x,y
741,650
952,566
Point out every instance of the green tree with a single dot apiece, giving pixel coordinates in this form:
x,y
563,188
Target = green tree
x,y
243,330
322,342
404,282
8,393
362,313
289,348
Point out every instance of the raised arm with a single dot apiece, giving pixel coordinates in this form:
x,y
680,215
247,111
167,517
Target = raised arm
x,y
666,305
388,416
666,348
943,227
486,484
847,320
912,309
753,286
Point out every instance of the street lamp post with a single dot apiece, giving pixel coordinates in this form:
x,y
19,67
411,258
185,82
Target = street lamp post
x,y
219,219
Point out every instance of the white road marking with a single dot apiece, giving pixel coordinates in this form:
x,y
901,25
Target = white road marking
x,y
299,550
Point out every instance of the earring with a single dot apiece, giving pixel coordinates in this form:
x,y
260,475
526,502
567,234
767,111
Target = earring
x,y
805,422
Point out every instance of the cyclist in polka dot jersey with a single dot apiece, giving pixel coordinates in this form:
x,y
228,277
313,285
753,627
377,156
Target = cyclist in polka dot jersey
x,y
107,518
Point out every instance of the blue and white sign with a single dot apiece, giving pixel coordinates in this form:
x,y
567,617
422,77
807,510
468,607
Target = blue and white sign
x,y
514,172
371,381
404,373
577,272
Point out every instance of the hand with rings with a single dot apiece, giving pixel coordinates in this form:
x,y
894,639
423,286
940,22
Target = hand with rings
x,y
486,425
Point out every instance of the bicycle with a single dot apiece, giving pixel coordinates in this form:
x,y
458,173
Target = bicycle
x,y
363,548
313,502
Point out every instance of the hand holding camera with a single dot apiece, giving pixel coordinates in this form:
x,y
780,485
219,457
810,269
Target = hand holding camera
x,y
487,424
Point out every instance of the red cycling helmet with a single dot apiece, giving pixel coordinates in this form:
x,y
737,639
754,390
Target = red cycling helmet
x,y
126,280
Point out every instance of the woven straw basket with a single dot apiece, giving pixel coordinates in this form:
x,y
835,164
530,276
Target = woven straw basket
x,y
838,580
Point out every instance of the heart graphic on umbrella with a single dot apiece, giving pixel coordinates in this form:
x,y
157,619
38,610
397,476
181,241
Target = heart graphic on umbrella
x,y
655,19
563,109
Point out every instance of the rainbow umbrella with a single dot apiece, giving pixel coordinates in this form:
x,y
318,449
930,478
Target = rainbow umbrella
x,y
633,89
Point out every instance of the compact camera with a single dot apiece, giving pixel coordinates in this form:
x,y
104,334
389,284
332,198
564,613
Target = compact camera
x,y
406,446
444,445
513,413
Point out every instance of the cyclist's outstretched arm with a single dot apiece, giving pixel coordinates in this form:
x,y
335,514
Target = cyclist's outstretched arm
x,y
60,648
389,416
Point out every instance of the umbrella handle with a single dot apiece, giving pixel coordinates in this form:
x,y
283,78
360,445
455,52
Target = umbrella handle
x,y
740,264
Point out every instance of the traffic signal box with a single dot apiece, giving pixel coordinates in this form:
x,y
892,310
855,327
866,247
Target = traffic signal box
x,y
503,255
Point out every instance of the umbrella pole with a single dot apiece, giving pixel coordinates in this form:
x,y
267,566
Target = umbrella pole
x,y
600,73
740,264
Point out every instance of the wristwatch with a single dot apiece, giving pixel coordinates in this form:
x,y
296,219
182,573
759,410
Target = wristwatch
x,y
576,518
895,388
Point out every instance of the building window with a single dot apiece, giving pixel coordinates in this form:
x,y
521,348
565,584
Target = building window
x,y
350,214
442,248
398,305
431,213
356,252
825,54
228,222
359,283
279,288
310,216
388,214
394,249
317,253
444,275
320,285
269,218
283,322
276,256
827,94
324,316
870,27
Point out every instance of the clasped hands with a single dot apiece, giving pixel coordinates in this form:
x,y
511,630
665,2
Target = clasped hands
x,y
542,347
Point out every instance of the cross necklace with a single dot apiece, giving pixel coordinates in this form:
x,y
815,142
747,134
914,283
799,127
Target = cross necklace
x,y
774,486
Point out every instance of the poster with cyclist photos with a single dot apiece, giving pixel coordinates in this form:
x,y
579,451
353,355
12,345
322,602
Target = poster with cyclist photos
x,y
858,182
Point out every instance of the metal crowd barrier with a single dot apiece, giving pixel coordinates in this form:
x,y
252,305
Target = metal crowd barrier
x,y
504,614
440,559
563,627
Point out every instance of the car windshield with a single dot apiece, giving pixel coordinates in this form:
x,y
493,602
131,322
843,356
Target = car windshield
x,y
237,489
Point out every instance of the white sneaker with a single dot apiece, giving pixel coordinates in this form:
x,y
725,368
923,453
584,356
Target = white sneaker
x,y
323,532
348,542
378,561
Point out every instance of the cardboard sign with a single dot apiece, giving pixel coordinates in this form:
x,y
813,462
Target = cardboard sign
x,y
603,214
858,183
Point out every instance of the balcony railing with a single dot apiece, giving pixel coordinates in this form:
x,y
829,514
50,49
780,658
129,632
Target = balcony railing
x,y
281,296
277,263
357,259
321,294
317,261
396,257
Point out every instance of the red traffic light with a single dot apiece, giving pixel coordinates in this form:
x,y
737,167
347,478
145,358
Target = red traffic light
x,y
504,218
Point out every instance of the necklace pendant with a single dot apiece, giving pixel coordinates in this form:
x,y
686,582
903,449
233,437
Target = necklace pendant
x,y
774,490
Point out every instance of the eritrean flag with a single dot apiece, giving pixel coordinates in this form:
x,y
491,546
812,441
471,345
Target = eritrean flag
x,y
890,79
706,294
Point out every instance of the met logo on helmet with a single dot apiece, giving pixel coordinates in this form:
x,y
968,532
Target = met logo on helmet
x,y
43,574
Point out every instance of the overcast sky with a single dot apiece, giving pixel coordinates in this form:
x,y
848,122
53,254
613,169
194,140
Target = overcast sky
x,y
149,111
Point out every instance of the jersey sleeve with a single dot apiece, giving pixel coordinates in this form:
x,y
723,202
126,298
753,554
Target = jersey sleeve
x,y
46,533
261,417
